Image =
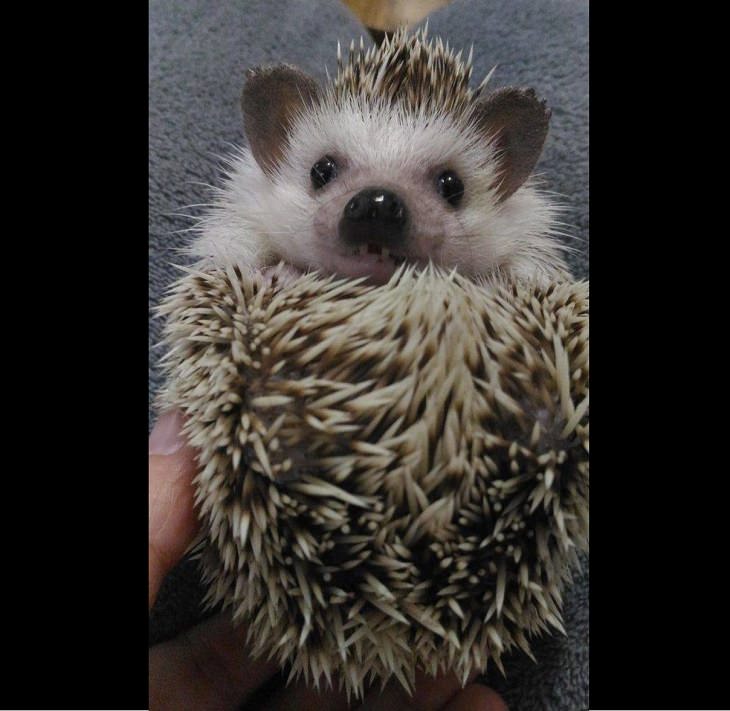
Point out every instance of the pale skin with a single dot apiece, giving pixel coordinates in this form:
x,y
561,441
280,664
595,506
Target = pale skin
x,y
208,667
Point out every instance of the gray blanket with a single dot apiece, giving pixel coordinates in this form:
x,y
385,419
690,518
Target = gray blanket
x,y
199,51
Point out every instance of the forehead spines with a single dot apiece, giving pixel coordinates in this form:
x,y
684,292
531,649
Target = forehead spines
x,y
375,135
408,69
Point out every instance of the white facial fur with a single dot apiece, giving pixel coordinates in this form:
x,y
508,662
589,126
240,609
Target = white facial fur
x,y
258,220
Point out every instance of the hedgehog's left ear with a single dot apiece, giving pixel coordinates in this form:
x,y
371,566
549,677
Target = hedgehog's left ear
x,y
518,123
271,99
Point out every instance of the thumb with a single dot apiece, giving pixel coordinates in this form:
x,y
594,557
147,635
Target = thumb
x,y
172,519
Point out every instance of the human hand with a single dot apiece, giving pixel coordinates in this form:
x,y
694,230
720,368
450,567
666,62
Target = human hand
x,y
209,667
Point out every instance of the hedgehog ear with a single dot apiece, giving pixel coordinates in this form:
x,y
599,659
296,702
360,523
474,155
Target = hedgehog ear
x,y
272,97
517,121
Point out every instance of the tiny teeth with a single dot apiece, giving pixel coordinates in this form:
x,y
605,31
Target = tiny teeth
x,y
386,252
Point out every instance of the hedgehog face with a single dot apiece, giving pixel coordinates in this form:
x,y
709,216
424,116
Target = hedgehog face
x,y
379,197
397,161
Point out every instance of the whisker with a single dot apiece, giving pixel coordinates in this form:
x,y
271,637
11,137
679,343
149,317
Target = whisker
x,y
194,228
199,183
181,214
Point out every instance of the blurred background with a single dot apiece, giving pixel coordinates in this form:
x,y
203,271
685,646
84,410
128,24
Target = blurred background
x,y
389,14
383,16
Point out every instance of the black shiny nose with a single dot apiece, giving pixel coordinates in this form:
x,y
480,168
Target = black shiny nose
x,y
374,215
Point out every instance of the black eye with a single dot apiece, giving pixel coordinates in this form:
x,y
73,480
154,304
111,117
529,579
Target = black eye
x,y
450,187
324,170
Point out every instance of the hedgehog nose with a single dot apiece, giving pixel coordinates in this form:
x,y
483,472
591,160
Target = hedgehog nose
x,y
374,215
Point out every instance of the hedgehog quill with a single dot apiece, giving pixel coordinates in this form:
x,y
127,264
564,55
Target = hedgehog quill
x,y
391,477
384,368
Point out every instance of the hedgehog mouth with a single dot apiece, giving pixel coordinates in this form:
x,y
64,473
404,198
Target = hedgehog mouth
x,y
371,261
380,251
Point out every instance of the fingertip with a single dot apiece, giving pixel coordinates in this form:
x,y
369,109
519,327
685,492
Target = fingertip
x,y
477,697
166,436
430,693
173,523
207,667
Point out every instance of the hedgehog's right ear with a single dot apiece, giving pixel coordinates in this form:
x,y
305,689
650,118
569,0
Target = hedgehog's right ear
x,y
271,99
517,121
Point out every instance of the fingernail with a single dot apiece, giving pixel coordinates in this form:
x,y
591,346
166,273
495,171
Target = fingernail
x,y
166,436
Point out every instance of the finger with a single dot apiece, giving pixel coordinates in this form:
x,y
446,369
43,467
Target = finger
x,y
299,696
477,697
430,694
173,523
207,668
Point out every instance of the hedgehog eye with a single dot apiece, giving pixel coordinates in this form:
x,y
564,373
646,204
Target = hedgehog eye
x,y
450,187
324,170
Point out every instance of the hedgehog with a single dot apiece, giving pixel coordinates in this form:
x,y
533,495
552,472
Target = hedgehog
x,y
392,476
396,161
